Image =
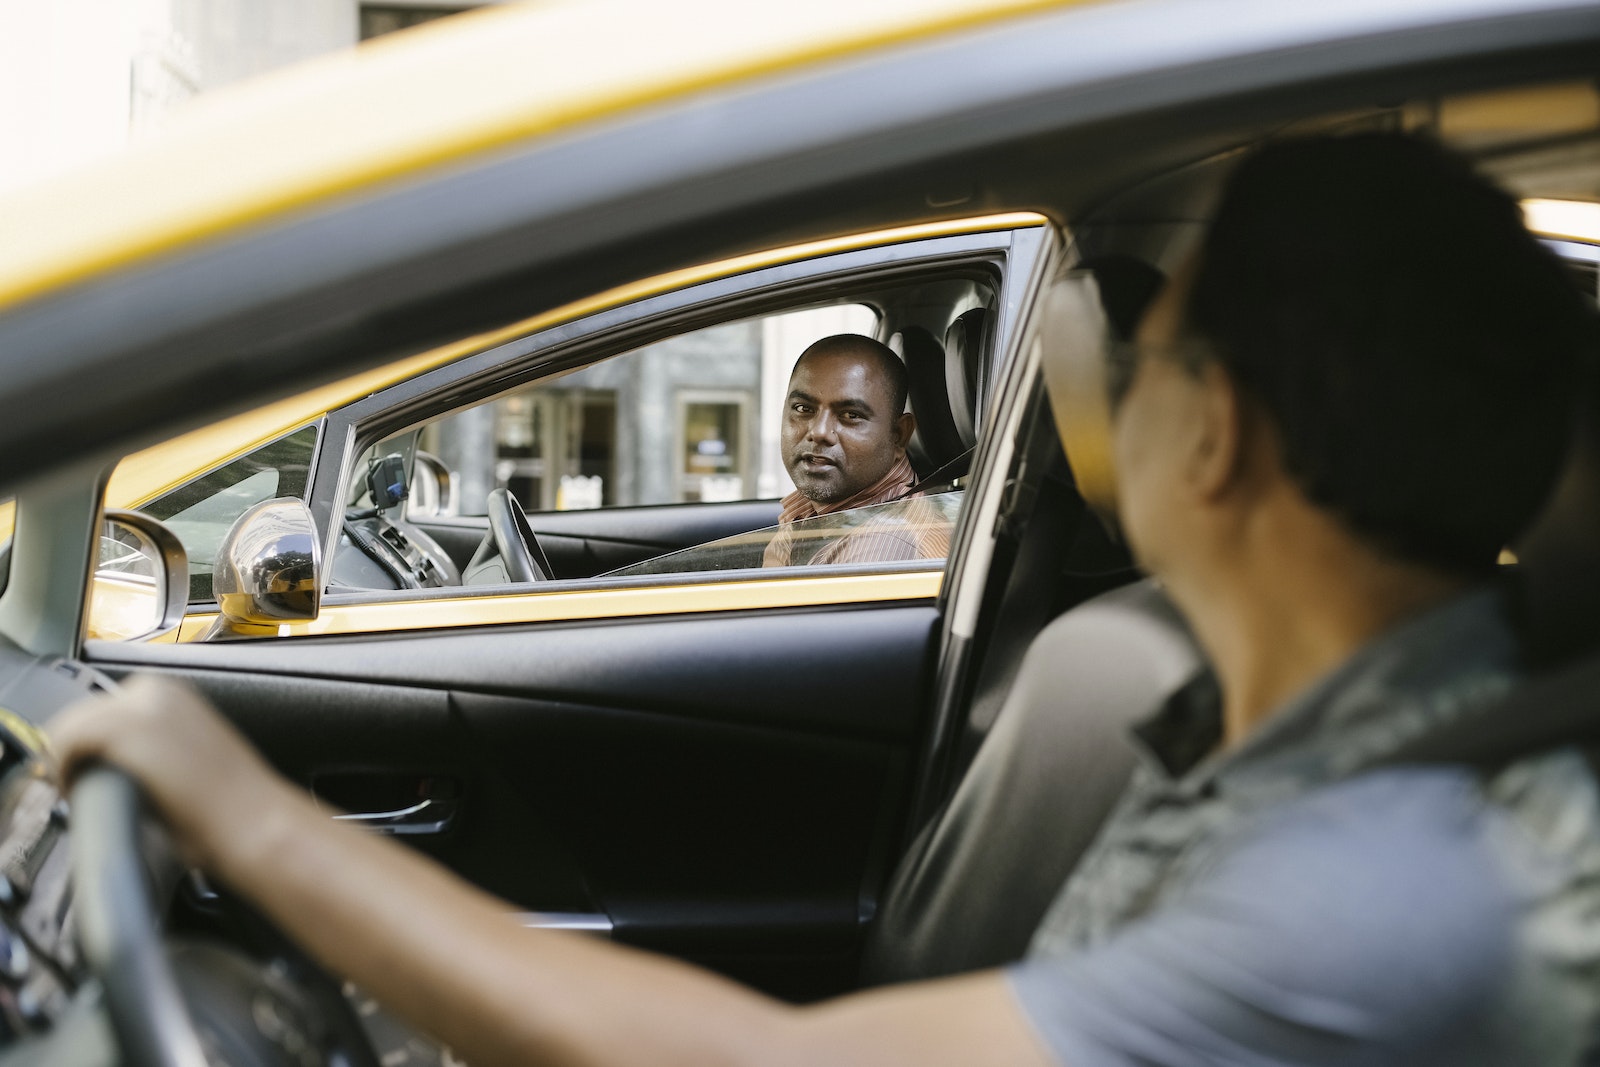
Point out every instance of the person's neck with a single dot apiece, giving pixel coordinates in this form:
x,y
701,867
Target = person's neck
x,y
1284,616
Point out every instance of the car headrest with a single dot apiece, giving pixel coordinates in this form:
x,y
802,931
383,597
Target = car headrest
x,y
964,345
936,441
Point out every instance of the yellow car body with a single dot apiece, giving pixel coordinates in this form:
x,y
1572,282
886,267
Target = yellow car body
x,y
724,770
344,125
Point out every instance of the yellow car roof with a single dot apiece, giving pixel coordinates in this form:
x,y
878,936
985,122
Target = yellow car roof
x,y
423,98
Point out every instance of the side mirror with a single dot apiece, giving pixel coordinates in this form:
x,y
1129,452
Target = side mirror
x,y
140,589
268,571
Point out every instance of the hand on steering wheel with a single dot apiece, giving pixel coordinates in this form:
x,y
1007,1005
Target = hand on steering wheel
x,y
169,998
162,995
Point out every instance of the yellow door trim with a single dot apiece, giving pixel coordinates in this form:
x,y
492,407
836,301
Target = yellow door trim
x,y
576,604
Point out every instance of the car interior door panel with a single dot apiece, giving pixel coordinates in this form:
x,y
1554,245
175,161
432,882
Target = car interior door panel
x,y
726,788
589,542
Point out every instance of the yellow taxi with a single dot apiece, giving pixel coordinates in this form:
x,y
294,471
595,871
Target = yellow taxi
x,y
266,373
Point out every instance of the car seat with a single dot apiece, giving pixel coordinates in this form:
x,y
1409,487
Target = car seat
x,y
1555,589
977,880
964,344
936,441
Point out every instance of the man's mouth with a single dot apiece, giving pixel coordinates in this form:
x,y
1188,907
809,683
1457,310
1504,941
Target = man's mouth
x,y
810,461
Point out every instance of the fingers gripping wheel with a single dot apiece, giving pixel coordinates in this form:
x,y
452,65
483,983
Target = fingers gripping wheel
x,y
162,996
510,552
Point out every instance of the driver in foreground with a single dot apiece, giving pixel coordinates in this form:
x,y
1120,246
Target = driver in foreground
x,y
1333,418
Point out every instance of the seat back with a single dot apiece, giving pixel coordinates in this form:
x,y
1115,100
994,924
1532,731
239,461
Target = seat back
x,y
964,345
936,441
977,880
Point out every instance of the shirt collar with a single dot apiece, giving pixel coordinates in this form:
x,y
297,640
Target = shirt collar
x,y
1421,672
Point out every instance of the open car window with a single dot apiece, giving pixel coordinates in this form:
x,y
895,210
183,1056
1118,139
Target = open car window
x,y
691,419
658,458
632,434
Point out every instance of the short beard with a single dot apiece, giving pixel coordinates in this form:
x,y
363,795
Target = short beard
x,y
823,494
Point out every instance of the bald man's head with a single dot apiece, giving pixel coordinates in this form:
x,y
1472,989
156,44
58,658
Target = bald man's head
x,y
887,366
845,423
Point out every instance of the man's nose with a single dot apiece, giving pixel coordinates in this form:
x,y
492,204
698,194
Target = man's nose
x,y
823,426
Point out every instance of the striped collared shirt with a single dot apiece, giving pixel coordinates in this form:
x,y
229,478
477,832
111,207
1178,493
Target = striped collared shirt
x,y
913,530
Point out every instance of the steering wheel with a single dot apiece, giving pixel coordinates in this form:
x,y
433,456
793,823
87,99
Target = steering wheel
x,y
161,996
509,546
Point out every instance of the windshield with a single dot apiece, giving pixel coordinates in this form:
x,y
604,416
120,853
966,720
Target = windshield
x,y
918,527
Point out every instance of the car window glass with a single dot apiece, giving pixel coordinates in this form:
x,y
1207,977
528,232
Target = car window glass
x,y
200,526
201,511
917,528
692,419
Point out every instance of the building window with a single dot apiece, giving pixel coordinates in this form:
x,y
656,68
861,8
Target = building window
x,y
379,19
711,455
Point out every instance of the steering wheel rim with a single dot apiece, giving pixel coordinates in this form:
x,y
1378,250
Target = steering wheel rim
x,y
513,538
119,928
120,935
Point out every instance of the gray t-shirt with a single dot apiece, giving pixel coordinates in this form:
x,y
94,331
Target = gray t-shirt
x,y
1295,901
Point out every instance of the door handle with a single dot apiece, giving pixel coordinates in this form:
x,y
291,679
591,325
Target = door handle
x,y
432,816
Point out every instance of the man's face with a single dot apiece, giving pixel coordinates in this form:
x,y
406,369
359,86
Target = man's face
x,y
839,432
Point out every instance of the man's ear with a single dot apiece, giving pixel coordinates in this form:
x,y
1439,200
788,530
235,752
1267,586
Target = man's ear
x,y
904,426
1216,454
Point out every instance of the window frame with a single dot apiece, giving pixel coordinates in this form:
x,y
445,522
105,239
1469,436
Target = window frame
x,y
1004,257
524,361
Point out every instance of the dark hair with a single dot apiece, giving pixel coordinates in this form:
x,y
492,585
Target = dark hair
x,y
1127,287
889,364
1417,349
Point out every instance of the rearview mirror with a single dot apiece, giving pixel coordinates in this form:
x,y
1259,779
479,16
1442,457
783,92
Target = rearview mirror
x,y
386,482
268,571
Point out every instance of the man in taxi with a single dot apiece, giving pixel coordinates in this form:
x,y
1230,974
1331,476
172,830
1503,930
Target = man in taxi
x,y
845,429
1333,418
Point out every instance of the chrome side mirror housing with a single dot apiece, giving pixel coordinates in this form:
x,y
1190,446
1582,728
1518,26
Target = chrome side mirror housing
x,y
268,571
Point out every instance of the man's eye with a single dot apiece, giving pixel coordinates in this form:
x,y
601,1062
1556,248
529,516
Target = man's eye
x,y
800,409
